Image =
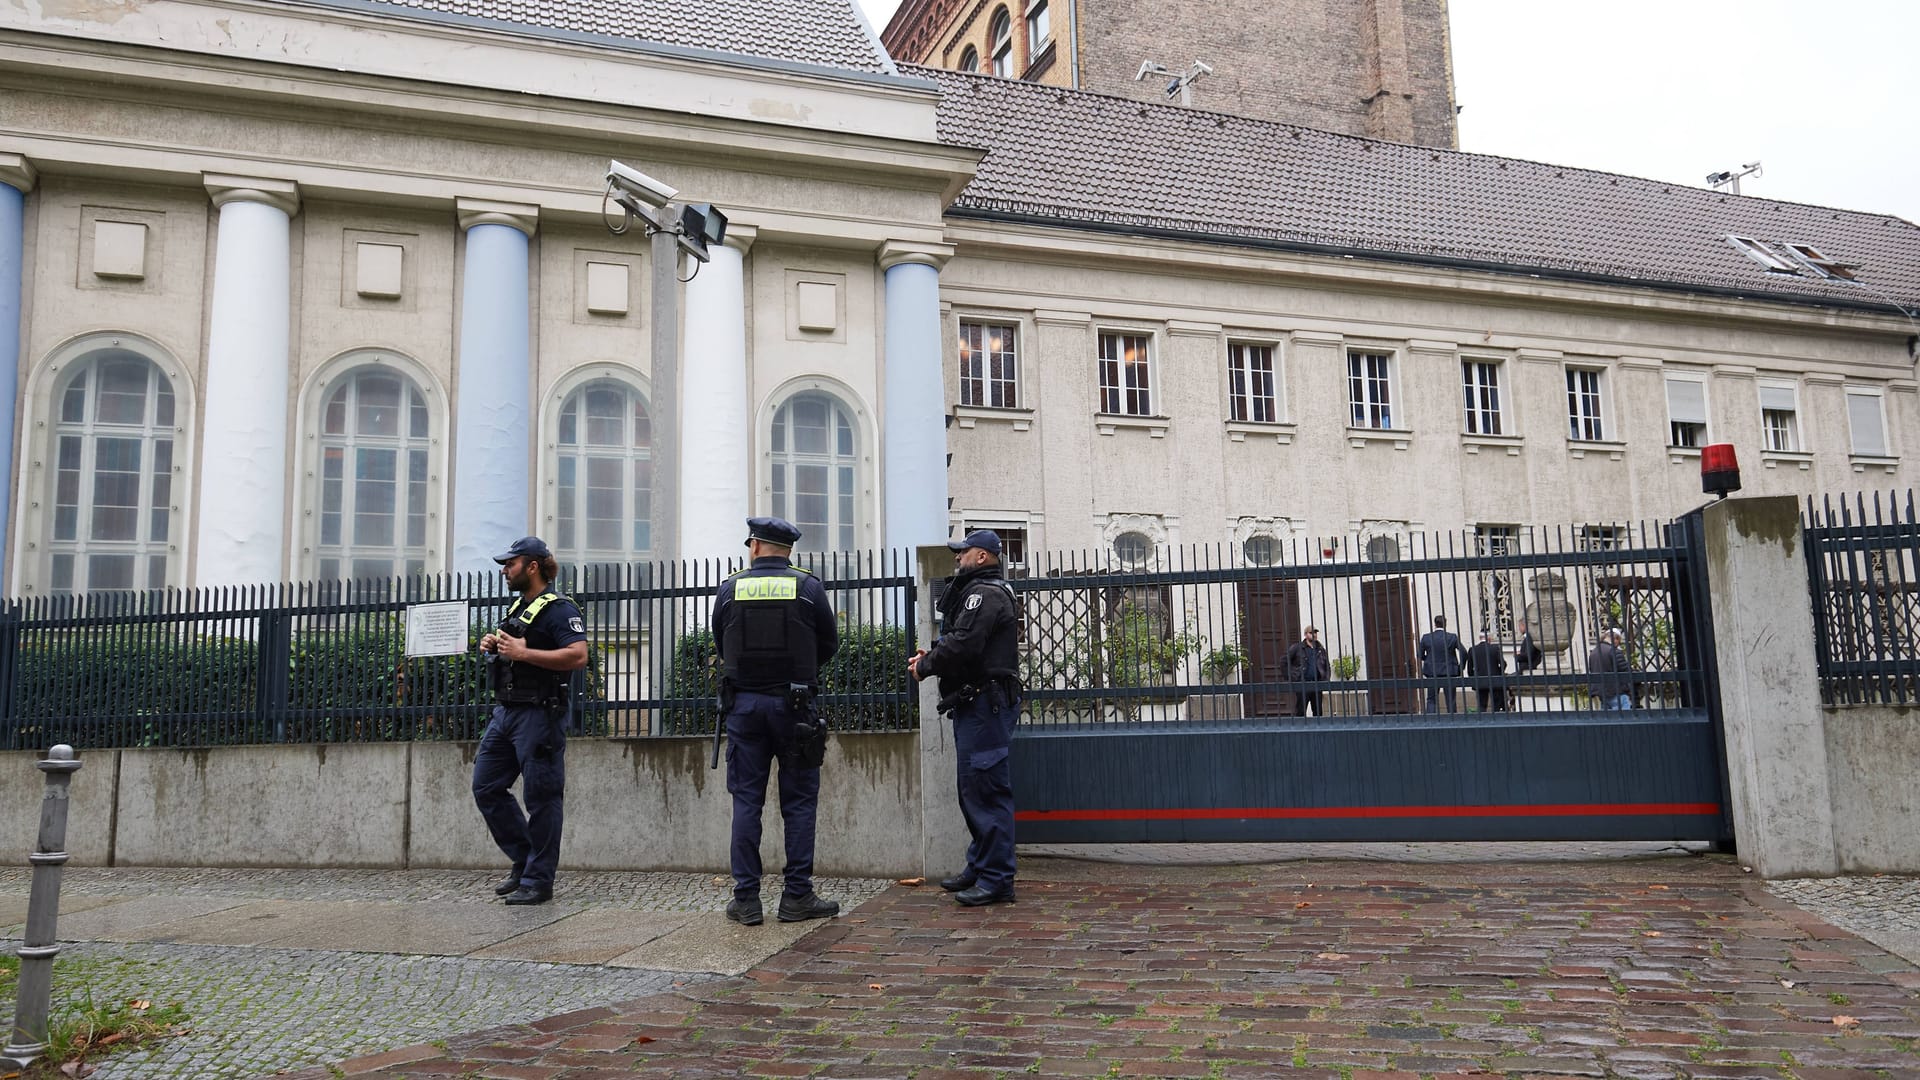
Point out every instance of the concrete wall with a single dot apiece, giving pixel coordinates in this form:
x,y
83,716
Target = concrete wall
x,y
631,805
1873,756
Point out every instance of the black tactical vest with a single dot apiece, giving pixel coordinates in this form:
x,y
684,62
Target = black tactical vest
x,y
520,682
768,640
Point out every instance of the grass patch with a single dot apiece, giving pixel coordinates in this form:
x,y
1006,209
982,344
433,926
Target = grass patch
x,y
81,1029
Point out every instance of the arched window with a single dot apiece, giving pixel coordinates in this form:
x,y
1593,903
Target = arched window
x,y
113,475
375,439
1000,43
815,450
970,59
604,475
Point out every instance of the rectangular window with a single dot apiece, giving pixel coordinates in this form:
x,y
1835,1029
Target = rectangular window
x,y
1762,254
1497,588
1250,383
1820,263
1780,416
989,365
1480,381
1686,412
1866,422
1584,405
1125,378
1039,29
1370,390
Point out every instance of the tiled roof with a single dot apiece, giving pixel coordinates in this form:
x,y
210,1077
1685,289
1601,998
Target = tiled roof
x,y
1076,158
827,33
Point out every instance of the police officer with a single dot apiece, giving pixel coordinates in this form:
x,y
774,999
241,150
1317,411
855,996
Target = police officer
x,y
539,643
775,630
975,659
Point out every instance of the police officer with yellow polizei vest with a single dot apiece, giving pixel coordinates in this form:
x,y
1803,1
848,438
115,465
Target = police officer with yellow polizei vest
x,y
531,658
775,630
975,658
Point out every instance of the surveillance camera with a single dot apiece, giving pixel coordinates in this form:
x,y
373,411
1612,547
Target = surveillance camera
x,y
633,182
1201,67
1148,67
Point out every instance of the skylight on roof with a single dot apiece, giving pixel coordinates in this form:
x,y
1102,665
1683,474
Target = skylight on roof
x,y
1821,264
1763,254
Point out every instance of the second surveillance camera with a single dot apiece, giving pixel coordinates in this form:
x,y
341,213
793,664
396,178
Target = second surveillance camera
x,y
639,185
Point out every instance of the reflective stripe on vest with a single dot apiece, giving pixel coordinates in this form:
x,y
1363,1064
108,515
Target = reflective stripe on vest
x,y
766,588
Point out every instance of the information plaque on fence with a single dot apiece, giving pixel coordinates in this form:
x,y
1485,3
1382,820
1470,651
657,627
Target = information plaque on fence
x,y
437,629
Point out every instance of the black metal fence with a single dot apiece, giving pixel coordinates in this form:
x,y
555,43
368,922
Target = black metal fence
x,y
327,661
1209,633
1863,568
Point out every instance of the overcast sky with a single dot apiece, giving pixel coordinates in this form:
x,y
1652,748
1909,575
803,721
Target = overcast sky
x,y
1825,94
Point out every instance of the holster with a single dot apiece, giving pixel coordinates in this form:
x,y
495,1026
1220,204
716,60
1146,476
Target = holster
x,y
809,730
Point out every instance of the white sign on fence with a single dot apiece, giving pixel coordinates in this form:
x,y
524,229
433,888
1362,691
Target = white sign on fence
x,y
437,629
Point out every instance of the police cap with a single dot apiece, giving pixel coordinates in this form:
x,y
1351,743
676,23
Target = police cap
x,y
772,530
985,539
531,546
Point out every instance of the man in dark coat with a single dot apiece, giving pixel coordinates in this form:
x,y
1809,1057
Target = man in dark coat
x,y
976,660
1607,669
1486,662
1442,657
1307,662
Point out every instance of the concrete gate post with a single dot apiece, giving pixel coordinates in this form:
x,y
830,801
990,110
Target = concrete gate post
x,y
943,832
1769,691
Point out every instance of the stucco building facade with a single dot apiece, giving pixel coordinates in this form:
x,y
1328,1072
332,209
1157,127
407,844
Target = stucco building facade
x,y
318,289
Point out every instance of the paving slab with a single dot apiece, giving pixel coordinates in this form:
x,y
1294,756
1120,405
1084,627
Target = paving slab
x,y
1667,967
588,937
709,942
131,918
13,909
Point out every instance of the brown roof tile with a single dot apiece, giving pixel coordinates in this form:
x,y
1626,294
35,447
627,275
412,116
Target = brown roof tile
x,y
827,33
1077,158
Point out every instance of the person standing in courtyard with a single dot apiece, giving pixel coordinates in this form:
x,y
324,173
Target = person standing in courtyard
x,y
976,660
1307,663
530,660
1607,669
1441,657
775,630
1486,662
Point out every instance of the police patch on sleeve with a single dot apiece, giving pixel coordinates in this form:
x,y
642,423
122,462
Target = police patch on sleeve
x,y
574,625
973,601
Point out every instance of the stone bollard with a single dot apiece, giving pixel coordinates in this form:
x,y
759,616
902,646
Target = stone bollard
x,y
35,987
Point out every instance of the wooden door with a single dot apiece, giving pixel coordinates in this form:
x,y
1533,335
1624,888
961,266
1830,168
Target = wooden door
x,y
1269,624
1386,610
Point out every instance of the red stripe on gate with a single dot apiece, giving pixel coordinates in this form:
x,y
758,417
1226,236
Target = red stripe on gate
x,y
1197,813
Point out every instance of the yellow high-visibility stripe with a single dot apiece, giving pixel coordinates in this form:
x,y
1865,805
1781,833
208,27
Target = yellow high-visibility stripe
x,y
766,588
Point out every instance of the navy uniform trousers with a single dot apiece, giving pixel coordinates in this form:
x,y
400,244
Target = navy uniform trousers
x,y
759,731
524,742
982,739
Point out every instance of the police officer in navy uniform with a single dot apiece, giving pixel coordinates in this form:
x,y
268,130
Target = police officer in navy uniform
x,y
775,630
976,660
531,657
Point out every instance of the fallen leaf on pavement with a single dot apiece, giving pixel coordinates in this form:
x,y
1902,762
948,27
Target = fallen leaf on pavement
x,y
1660,887
1845,1022
911,881
638,1039
1300,905
876,986
139,1004
76,1068
111,1039
1788,983
718,880
1333,956
1649,933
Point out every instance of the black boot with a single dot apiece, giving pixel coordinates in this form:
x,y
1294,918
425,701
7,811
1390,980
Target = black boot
x,y
980,895
529,894
744,910
510,883
802,908
963,880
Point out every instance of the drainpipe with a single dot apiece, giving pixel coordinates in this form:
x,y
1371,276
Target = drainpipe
x,y
1073,38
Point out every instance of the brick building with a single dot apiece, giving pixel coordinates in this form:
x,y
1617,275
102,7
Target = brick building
x,y
1377,68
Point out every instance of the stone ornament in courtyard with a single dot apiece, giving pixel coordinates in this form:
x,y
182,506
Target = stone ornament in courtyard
x,y
1551,614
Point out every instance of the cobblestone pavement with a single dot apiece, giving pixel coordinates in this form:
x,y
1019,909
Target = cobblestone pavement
x,y
1360,971
1883,908
256,1010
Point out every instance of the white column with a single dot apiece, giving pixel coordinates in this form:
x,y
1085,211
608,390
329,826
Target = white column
x,y
716,472
243,467
913,425
16,179
491,462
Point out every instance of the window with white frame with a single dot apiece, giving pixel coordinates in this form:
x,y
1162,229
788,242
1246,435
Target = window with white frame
x,y
989,365
113,453
1780,416
1126,377
1039,27
375,438
1251,383
1369,389
970,59
1686,412
1497,588
1013,545
1000,43
1867,421
1480,381
816,455
1820,263
603,475
1585,406
1761,253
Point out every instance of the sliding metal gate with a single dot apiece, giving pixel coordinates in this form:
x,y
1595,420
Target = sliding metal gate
x,y
1162,707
